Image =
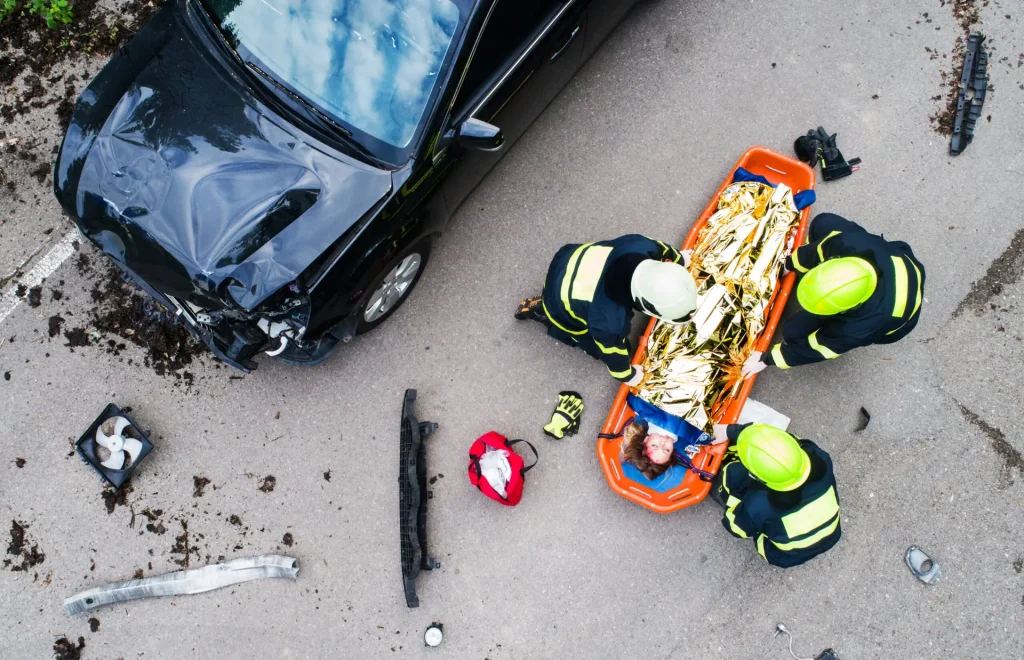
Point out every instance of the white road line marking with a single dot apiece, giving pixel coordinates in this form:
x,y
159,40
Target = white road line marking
x,y
43,269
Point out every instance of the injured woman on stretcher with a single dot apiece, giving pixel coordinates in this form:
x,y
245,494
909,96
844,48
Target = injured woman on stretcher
x,y
658,448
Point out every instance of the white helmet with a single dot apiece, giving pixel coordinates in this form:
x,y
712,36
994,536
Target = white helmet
x,y
664,290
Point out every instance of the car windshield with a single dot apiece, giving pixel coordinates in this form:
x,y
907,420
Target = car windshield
x,y
372,64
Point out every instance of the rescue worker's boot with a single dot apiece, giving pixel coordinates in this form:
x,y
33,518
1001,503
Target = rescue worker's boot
x,y
531,309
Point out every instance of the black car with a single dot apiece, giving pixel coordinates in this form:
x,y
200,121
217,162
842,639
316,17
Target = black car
x,y
276,170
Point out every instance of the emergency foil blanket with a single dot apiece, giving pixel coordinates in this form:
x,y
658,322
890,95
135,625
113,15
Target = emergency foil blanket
x,y
693,370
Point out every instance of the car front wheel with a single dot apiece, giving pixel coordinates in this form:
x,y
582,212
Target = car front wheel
x,y
389,291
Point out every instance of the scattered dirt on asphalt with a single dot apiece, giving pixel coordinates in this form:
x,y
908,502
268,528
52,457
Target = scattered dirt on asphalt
x,y
77,337
288,540
1012,458
138,575
1005,270
94,624
114,498
20,462
65,649
198,485
269,482
26,554
154,525
35,296
54,325
235,520
1018,564
183,548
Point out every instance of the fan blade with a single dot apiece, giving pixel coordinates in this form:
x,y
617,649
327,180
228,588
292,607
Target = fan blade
x,y
101,439
115,462
120,425
133,447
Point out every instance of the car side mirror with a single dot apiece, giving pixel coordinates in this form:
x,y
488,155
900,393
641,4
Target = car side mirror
x,y
479,135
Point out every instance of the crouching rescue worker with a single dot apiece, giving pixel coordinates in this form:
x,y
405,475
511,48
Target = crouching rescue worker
x,y
855,289
592,290
778,491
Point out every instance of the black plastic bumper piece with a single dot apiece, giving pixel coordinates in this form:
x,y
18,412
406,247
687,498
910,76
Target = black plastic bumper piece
x,y
971,98
412,497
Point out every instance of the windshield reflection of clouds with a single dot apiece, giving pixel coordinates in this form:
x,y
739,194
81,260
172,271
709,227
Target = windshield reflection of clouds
x,y
372,63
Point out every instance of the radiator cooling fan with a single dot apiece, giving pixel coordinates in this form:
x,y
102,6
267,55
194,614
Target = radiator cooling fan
x,y
113,445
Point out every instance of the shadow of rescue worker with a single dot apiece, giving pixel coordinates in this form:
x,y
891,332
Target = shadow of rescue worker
x,y
592,290
855,289
778,491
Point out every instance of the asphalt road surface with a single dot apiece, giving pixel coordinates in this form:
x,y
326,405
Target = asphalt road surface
x,y
637,142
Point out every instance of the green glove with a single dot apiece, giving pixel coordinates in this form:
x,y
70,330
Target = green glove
x,y
566,418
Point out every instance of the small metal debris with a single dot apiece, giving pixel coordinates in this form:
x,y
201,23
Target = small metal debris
x,y
921,565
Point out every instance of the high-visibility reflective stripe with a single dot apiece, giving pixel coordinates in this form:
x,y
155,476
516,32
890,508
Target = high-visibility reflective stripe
x,y
730,515
824,350
810,540
620,374
559,325
901,287
613,349
796,263
821,255
731,502
812,516
666,251
570,270
760,546
589,272
780,361
920,289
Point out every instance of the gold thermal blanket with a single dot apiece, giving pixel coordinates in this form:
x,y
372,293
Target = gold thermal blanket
x,y
693,370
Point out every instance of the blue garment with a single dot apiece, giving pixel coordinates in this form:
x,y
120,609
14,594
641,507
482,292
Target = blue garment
x,y
671,478
687,433
802,199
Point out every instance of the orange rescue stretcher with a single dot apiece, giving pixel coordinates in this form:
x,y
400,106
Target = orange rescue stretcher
x,y
777,169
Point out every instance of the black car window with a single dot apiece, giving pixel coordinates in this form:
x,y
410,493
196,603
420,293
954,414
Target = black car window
x,y
513,23
371,64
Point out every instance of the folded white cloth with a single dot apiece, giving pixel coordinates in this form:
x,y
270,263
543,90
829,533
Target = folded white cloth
x,y
494,466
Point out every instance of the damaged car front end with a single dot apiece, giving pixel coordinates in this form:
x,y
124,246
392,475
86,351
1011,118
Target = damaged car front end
x,y
261,221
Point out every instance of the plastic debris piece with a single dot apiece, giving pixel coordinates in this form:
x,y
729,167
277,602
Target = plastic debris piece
x,y
781,629
921,565
189,581
971,98
434,635
865,419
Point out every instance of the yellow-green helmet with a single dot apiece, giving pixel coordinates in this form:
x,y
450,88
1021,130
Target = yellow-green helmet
x,y
773,456
836,285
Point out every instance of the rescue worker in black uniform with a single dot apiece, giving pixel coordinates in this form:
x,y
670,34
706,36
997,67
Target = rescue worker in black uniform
x,y
855,289
778,491
592,290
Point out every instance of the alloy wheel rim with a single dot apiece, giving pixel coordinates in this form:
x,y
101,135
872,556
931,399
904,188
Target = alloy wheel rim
x,y
393,288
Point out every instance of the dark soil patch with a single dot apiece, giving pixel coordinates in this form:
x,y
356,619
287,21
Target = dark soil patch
x,y
35,296
41,172
269,482
20,462
1012,458
327,475
54,325
114,498
156,528
288,540
1005,270
65,649
129,314
20,290
183,547
76,337
57,294
138,575
235,520
27,44
7,375
94,624
198,485
25,555
1018,564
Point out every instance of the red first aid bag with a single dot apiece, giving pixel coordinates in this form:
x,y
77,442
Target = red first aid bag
x,y
516,478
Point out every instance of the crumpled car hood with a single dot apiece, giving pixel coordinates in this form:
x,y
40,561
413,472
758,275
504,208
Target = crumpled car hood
x,y
191,181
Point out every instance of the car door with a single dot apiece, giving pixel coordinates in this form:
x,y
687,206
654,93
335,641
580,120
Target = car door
x,y
526,52
602,17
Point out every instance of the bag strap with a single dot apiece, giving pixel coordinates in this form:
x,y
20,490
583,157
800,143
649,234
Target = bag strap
x,y
536,456
475,463
612,436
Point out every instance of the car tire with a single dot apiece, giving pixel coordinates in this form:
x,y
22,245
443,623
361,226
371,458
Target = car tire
x,y
392,287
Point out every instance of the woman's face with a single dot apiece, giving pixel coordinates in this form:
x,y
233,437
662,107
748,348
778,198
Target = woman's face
x,y
658,448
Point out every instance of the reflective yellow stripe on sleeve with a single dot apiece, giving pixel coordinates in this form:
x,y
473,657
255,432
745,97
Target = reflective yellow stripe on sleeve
x,y
588,274
901,287
812,515
730,515
824,350
780,361
760,546
797,266
620,374
613,350
920,289
810,540
821,255
567,280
